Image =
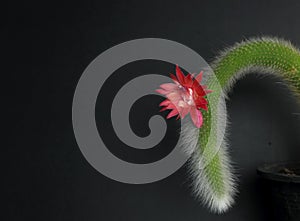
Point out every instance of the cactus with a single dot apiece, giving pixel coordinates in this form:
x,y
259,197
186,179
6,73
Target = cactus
x,y
214,181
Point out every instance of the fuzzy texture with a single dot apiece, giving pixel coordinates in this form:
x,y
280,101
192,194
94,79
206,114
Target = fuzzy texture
x,y
214,181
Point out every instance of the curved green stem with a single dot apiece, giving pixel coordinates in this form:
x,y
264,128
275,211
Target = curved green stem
x,y
214,180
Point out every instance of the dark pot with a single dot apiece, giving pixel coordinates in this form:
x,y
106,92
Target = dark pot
x,y
281,190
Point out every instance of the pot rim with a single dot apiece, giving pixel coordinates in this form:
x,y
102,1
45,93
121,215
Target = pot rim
x,y
270,171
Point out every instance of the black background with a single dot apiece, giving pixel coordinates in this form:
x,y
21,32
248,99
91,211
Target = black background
x,y
50,45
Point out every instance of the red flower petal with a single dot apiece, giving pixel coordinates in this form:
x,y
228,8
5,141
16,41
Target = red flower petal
x,y
161,91
169,86
173,113
180,75
174,97
201,103
165,103
188,81
199,77
196,116
198,88
184,111
173,77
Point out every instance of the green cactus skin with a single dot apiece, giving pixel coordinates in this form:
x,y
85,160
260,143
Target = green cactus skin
x,y
214,181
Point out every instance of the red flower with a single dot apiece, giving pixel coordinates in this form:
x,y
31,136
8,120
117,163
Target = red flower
x,y
184,96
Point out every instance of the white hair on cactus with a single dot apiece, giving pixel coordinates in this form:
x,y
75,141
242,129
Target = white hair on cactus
x,y
200,182
202,186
